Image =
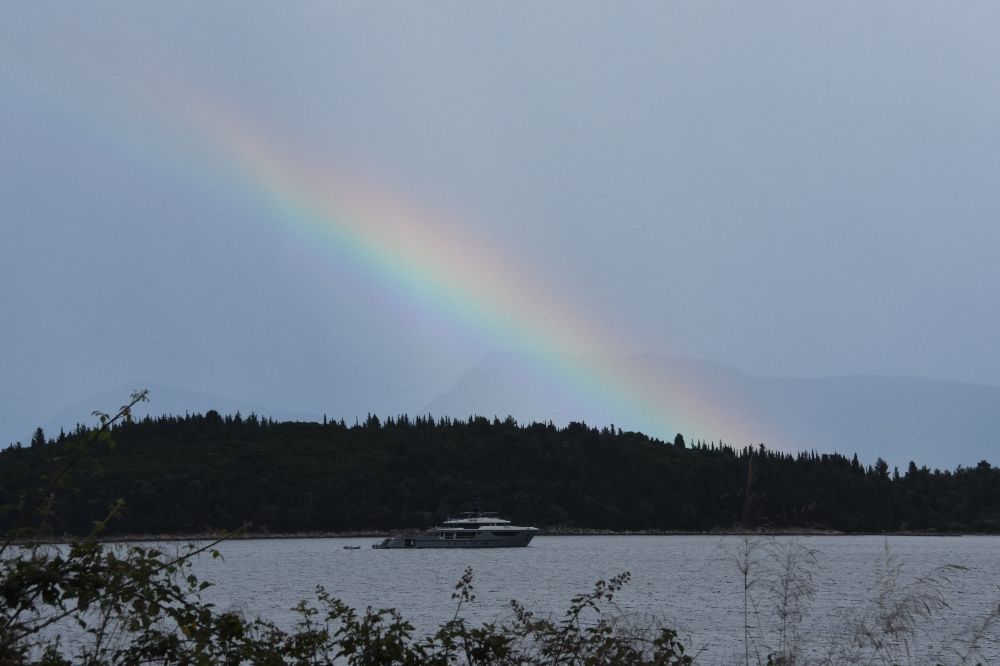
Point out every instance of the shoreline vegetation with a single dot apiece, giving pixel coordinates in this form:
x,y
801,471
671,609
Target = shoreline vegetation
x,y
204,474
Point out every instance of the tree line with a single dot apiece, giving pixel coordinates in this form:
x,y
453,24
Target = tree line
x,y
196,473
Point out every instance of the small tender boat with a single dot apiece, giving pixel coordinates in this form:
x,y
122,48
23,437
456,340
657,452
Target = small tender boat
x,y
475,529
352,547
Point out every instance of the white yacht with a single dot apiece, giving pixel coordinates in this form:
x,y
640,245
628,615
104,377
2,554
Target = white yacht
x,y
470,530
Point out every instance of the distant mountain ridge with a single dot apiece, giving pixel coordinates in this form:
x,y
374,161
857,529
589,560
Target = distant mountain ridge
x,y
938,423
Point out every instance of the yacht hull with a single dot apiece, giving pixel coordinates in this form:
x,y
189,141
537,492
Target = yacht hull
x,y
511,540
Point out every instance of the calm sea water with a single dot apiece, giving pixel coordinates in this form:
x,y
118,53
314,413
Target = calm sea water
x,y
691,583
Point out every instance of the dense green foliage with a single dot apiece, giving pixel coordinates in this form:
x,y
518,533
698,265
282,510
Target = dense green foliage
x,y
207,472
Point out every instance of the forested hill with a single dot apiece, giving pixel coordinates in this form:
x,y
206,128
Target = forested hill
x,y
196,473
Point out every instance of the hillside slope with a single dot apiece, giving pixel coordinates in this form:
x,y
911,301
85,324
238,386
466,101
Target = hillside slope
x,y
937,423
196,473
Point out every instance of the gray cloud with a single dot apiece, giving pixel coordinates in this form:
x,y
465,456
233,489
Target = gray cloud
x,y
794,189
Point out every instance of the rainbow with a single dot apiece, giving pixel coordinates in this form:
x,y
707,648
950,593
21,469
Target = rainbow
x,y
432,258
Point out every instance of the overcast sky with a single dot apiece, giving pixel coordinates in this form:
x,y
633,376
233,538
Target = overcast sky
x,y
792,188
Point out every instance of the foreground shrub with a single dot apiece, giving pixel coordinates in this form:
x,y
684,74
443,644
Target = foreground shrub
x,y
137,605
